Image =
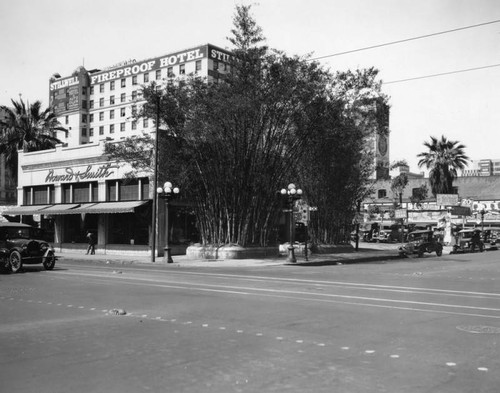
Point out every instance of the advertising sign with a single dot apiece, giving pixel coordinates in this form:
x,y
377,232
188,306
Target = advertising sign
x,y
447,199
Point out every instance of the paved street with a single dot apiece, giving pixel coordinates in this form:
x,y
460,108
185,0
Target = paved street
x,y
413,325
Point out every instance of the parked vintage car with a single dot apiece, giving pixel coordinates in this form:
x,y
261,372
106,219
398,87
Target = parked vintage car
x,y
469,240
420,242
23,244
491,238
387,233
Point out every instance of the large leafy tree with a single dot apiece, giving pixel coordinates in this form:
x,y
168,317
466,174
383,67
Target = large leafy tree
x,y
443,158
339,161
232,144
27,127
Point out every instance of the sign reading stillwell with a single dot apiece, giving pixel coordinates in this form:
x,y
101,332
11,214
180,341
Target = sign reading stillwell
x,y
447,199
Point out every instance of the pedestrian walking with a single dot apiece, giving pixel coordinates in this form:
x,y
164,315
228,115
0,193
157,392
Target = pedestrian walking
x,y
91,241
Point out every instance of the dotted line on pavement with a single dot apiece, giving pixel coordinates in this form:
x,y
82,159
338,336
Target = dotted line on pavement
x,y
300,343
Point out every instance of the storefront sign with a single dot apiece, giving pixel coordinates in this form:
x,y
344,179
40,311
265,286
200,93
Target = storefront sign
x,y
447,199
89,173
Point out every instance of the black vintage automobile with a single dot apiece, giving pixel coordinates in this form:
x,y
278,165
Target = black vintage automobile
x,y
23,244
420,242
469,240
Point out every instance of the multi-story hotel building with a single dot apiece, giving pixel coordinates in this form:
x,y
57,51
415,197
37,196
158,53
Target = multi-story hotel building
x,y
74,188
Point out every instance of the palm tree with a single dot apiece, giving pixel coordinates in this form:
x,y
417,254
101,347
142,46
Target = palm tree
x,y
26,127
443,159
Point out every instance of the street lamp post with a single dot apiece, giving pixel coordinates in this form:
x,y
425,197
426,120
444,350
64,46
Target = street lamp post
x,y
167,192
292,194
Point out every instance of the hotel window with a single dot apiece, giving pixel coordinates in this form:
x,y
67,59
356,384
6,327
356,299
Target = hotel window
x,y
111,128
122,112
216,65
134,95
91,89
112,100
198,65
84,118
91,132
84,131
145,123
91,104
158,74
123,82
170,72
101,130
122,97
134,125
182,69
41,195
112,114
134,80
101,102
122,127
146,78
84,91
101,88
91,118
84,104
66,119
112,85
101,116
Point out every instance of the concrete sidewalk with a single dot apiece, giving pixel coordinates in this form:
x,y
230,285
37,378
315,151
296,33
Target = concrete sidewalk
x,y
369,253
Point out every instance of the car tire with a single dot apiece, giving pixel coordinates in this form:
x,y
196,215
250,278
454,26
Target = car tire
x,y
420,253
49,260
439,252
15,261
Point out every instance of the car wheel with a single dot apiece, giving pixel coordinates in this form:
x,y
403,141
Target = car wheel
x,y
49,260
481,247
16,262
439,252
420,253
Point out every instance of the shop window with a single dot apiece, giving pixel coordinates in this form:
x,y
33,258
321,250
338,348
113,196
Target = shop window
x,y
66,193
38,195
129,189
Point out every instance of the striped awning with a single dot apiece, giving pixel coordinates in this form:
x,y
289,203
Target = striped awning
x,y
25,210
63,208
108,207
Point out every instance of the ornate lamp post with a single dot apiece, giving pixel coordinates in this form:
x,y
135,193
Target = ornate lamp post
x,y
292,194
167,192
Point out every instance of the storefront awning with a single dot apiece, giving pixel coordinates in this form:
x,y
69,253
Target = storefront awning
x,y
108,207
60,209
25,210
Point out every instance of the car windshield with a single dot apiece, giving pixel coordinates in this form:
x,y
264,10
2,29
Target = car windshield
x,y
15,233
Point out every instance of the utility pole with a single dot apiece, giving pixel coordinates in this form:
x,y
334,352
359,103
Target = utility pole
x,y
155,180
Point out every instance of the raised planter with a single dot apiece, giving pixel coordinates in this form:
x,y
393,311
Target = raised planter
x,y
198,251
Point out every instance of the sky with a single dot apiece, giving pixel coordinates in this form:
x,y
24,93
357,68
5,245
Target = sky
x,y
41,37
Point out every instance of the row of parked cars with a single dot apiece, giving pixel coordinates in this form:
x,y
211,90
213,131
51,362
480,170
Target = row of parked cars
x,y
23,244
